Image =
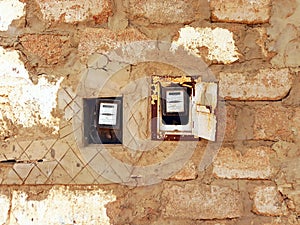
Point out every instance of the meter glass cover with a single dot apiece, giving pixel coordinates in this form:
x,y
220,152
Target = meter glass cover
x,y
108,114
175,101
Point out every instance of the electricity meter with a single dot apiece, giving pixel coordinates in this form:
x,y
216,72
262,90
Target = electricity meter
x,y
183,108
103,120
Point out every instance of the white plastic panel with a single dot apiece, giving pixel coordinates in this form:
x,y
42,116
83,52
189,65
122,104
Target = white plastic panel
x,y
204,104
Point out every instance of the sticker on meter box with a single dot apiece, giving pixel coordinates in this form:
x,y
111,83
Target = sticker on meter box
x,y
175,101
108,114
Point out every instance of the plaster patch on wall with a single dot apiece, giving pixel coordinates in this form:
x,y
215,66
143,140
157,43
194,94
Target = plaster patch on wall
x,y
21,101
9,11
218,41
4,203
61,206
71,10
267,201
66,102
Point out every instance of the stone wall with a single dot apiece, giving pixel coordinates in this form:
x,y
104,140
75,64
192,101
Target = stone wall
x,y
250,47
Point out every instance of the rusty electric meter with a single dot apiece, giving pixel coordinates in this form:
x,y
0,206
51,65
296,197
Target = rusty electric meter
x,y
175,105
183,108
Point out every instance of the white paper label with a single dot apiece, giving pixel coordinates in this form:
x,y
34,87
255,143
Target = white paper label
x,y
108,113
175,101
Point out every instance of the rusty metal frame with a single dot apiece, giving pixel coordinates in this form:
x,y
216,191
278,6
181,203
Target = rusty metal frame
x,y
167,137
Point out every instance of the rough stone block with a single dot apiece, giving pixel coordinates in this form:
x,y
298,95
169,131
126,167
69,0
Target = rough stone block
x,y
72,11
195,201
241,11
188,172
49,48
254,164
266,84
273,123
166,12
98,40
130,35
268,202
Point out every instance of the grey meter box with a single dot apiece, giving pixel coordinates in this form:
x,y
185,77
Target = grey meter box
x,y
103,120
